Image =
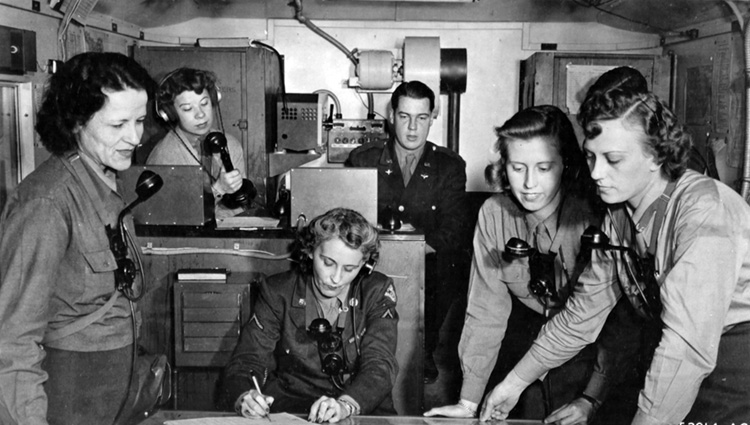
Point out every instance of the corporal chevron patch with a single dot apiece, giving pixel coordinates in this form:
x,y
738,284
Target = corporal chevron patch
x,y
257,322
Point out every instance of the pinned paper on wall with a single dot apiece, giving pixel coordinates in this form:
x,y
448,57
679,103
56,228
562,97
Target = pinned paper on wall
x,y
579,79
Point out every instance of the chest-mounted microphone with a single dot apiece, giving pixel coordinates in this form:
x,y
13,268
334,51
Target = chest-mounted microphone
x,y
127,270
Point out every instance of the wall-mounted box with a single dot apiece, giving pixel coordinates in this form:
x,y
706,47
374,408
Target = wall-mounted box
x,y
17,50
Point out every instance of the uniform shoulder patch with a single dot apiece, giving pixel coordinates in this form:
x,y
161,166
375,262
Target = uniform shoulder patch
x,y
390,292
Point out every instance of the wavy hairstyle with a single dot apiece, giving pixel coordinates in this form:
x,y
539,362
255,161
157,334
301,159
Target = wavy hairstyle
x,y
347,225
78,90
663,136
181,80
551,124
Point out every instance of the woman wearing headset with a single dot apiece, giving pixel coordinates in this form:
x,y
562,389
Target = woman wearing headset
x,y
692,233
278,346
186,100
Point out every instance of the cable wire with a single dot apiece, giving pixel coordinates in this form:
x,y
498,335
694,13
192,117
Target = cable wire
x,y
264,255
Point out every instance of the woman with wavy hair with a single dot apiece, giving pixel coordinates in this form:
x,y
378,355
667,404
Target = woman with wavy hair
x,y
56,265
322,338
690,236
526,263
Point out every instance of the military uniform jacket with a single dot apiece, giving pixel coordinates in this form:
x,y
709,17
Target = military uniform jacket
x,y
275,346
435,200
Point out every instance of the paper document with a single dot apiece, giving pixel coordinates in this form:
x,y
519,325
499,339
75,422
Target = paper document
x,y
240,221
276,419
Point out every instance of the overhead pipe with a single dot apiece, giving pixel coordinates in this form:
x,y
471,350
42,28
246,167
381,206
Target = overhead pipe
x,y
297,4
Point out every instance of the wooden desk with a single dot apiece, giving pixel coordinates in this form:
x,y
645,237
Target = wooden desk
x,y
401,258
169,415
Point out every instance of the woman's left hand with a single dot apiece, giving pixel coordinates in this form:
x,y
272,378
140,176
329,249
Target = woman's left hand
x,y
327,409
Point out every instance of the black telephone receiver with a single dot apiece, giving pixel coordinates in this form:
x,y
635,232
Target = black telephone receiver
x,y
148,184
541,269
643,291
368,267
216,142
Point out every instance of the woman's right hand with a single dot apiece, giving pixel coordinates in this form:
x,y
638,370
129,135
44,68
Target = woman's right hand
x,y
452,411
228,182
254,404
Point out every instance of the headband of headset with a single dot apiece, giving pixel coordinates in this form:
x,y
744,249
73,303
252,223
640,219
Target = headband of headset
x,y
166,110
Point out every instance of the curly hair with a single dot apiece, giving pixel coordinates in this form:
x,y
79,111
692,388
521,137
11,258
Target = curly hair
x,y
78,90
181,80
622,77
347,225
551,124
664,137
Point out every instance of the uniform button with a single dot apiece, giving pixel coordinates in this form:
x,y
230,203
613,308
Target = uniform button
x,y
287,351
434,208
401,208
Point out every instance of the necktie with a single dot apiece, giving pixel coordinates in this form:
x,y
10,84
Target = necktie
x,y
406,170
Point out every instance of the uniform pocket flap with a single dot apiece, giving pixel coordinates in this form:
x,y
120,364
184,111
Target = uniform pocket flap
x,y
101,261
516,271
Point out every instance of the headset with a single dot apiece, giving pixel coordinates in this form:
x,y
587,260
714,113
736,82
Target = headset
x,y
165,109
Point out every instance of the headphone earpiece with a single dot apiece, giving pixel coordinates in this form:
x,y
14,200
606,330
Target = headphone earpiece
x,y
163,115
369,266
217,95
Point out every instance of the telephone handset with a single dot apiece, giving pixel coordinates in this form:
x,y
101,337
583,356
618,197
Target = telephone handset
x,y
542,282
216,142
127,270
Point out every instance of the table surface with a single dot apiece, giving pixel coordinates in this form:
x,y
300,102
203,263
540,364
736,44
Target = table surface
x,y
166,415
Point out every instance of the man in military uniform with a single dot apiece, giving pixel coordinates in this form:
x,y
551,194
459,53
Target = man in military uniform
x,y
424,185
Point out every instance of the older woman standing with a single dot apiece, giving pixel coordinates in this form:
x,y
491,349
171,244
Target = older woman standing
x,y
56,265
691,233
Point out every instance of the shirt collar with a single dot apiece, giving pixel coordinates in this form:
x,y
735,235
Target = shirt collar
x,y
312,300
401,152
105,174
548,225
193,141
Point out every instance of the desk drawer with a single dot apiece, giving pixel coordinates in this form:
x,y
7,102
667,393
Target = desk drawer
x,y
208,318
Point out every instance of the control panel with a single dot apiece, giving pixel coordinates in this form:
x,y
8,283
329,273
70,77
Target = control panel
x,y
345,135
299,122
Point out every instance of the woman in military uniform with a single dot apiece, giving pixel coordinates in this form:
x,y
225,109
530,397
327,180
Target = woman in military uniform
x,y
289,345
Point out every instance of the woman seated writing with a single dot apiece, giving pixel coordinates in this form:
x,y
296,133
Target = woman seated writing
x,y
332,296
